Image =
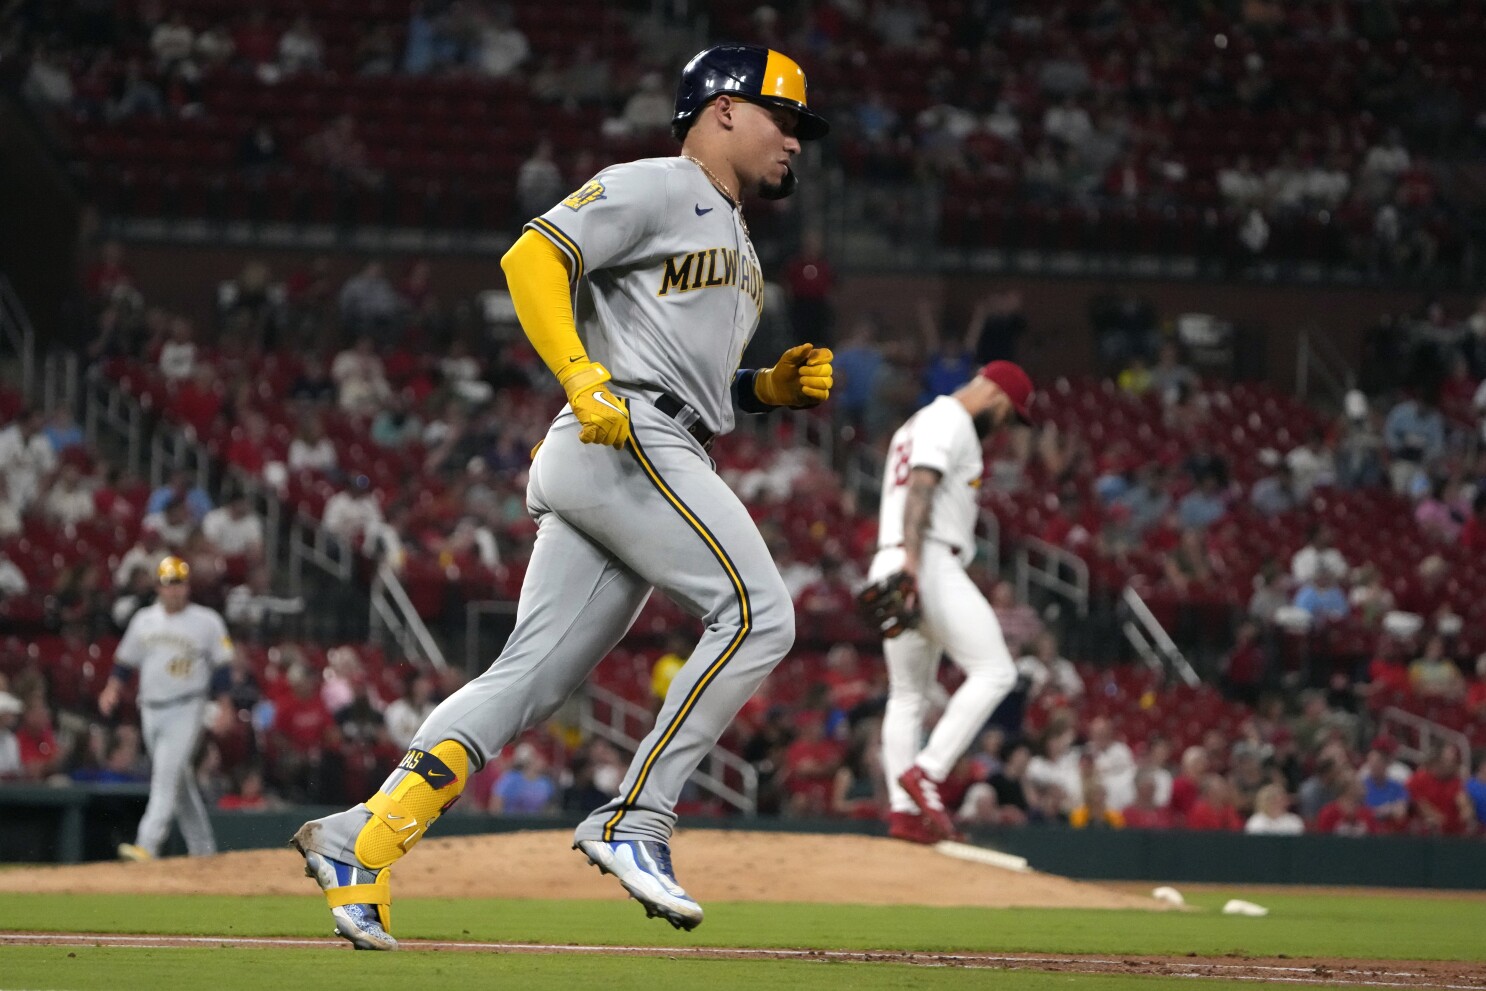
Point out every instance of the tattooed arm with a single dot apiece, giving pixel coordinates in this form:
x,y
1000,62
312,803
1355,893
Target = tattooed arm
x,y
920,499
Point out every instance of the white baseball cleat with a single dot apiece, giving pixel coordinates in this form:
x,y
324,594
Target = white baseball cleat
x,y
644,868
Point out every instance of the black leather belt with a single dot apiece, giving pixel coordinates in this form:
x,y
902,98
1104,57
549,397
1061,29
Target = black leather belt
x,y
673,407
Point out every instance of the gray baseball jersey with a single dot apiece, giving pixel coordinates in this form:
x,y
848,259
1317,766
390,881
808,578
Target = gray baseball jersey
x,y
667,287
667,293
174,653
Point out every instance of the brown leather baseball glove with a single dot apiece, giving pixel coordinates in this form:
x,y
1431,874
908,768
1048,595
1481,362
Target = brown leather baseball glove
x,y
890,605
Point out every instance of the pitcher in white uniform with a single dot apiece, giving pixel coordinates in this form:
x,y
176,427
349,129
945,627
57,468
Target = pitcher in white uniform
x,y
927,529
181,651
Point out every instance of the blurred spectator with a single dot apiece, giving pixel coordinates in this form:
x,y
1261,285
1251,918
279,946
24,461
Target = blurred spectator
x,y
810,280
1114,763
1245,668
539,182
1475,789
1415,437
376,52
171,41
810,764
1145,502
1186,787
360,377
234,529
1058,767
1323,598
999,322
1317,555
1442,511
12,580
1311,464
1203,506
1332,776
313,385
300,48
62,431
396,425
1347,814
214,46
829,595
859,790
36,741
178,353
133,94
180,488
1008,782
1475,693
859,370
10,510
1473,532
1214,811
250,605
1433,675
1369,597
1135,378
68,500
145,554
26,456
1019,623
1188,563
525,788
311,450
1386,798
1146,811
649,108
1438,794
1272,816
1095,812
249,795
10,748
666,667
498,47
406,714
174,523
1048,673
354,514
1169,377
255,41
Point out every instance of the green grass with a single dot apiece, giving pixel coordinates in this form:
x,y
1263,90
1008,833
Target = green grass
x,y
1298,925
101,969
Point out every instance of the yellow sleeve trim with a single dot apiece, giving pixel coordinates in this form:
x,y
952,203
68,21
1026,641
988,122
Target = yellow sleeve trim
x,y
537,276
567,244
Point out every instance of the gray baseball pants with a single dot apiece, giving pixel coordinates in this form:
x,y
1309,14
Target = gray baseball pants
x,y
171,733
612,525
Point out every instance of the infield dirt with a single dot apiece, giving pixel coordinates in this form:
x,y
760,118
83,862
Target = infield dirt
x,y
714,865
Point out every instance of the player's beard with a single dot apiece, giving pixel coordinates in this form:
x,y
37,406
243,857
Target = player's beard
x,y
985,424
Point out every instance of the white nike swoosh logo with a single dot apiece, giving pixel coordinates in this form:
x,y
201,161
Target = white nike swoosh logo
x,y
599,397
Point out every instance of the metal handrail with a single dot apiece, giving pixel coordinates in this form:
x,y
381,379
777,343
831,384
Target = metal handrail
x,y
391,605
1315,355
310,541
1152,642
16,327
1427,733
709,775
1049,573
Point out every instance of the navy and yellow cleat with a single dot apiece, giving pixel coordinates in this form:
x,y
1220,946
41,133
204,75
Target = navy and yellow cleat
x,y
644,868
364,923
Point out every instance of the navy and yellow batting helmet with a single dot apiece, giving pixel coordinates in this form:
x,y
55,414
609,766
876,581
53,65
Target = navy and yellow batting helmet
x,y
750,72
173,571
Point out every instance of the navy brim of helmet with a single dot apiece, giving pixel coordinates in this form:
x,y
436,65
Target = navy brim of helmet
x,y
809,125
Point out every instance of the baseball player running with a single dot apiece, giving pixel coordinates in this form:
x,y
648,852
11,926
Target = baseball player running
x,y
181,652
640,291
926,540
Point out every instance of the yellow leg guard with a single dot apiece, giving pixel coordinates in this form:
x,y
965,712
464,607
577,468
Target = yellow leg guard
x,y
378,894
436,780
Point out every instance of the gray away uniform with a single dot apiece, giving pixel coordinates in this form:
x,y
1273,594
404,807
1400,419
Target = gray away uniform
x,y
175,654
667,293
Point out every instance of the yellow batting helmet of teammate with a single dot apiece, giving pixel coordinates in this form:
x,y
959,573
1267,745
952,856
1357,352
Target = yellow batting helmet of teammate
x,y
173,571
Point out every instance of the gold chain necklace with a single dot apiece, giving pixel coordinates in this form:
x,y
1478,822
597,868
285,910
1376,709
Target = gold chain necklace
x,y
721,188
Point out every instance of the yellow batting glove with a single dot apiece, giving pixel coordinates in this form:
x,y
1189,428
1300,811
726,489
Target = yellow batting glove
x,y
603,415
801,378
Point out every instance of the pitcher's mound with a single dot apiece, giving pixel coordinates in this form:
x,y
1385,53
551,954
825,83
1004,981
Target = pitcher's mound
x,y
714,865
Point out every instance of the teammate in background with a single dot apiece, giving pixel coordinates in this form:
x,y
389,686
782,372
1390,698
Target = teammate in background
x,y
181,651
927,531
640,291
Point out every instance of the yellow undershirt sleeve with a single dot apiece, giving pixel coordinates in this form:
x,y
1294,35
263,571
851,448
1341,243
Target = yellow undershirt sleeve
x,y
538,281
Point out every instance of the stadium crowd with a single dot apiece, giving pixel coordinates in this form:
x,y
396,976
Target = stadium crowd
x,y
396,437
1247,131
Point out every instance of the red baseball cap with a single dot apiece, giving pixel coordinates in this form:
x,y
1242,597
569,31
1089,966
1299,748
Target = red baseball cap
x,y
1015,383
